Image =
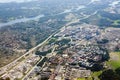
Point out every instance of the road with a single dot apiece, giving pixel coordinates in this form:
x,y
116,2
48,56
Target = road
x,y
4,69
32,68
49,38
38,63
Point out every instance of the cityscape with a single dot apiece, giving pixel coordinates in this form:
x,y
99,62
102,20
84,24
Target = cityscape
x,y
79,43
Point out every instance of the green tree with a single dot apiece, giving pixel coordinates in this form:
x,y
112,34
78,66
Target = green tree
x,y
109,75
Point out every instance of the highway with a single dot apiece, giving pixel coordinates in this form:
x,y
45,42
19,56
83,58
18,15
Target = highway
x,y
33,49
11,65
32,68
5,68
24,78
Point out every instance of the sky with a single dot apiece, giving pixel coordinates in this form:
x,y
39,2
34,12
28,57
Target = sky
x,y
6,1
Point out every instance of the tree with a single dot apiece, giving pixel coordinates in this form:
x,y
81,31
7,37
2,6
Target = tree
x,y
97,67
109,75
118,71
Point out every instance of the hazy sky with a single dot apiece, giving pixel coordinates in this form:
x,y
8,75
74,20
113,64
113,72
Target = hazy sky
x,y
6,1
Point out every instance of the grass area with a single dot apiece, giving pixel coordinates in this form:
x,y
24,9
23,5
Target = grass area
x,y
114,61
116,22
80,78
114,64
90,78
96,74
21,59
52,40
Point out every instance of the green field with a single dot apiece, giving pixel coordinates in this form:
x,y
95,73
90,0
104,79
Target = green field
x,y
114,61
81,79
116,22
96,74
